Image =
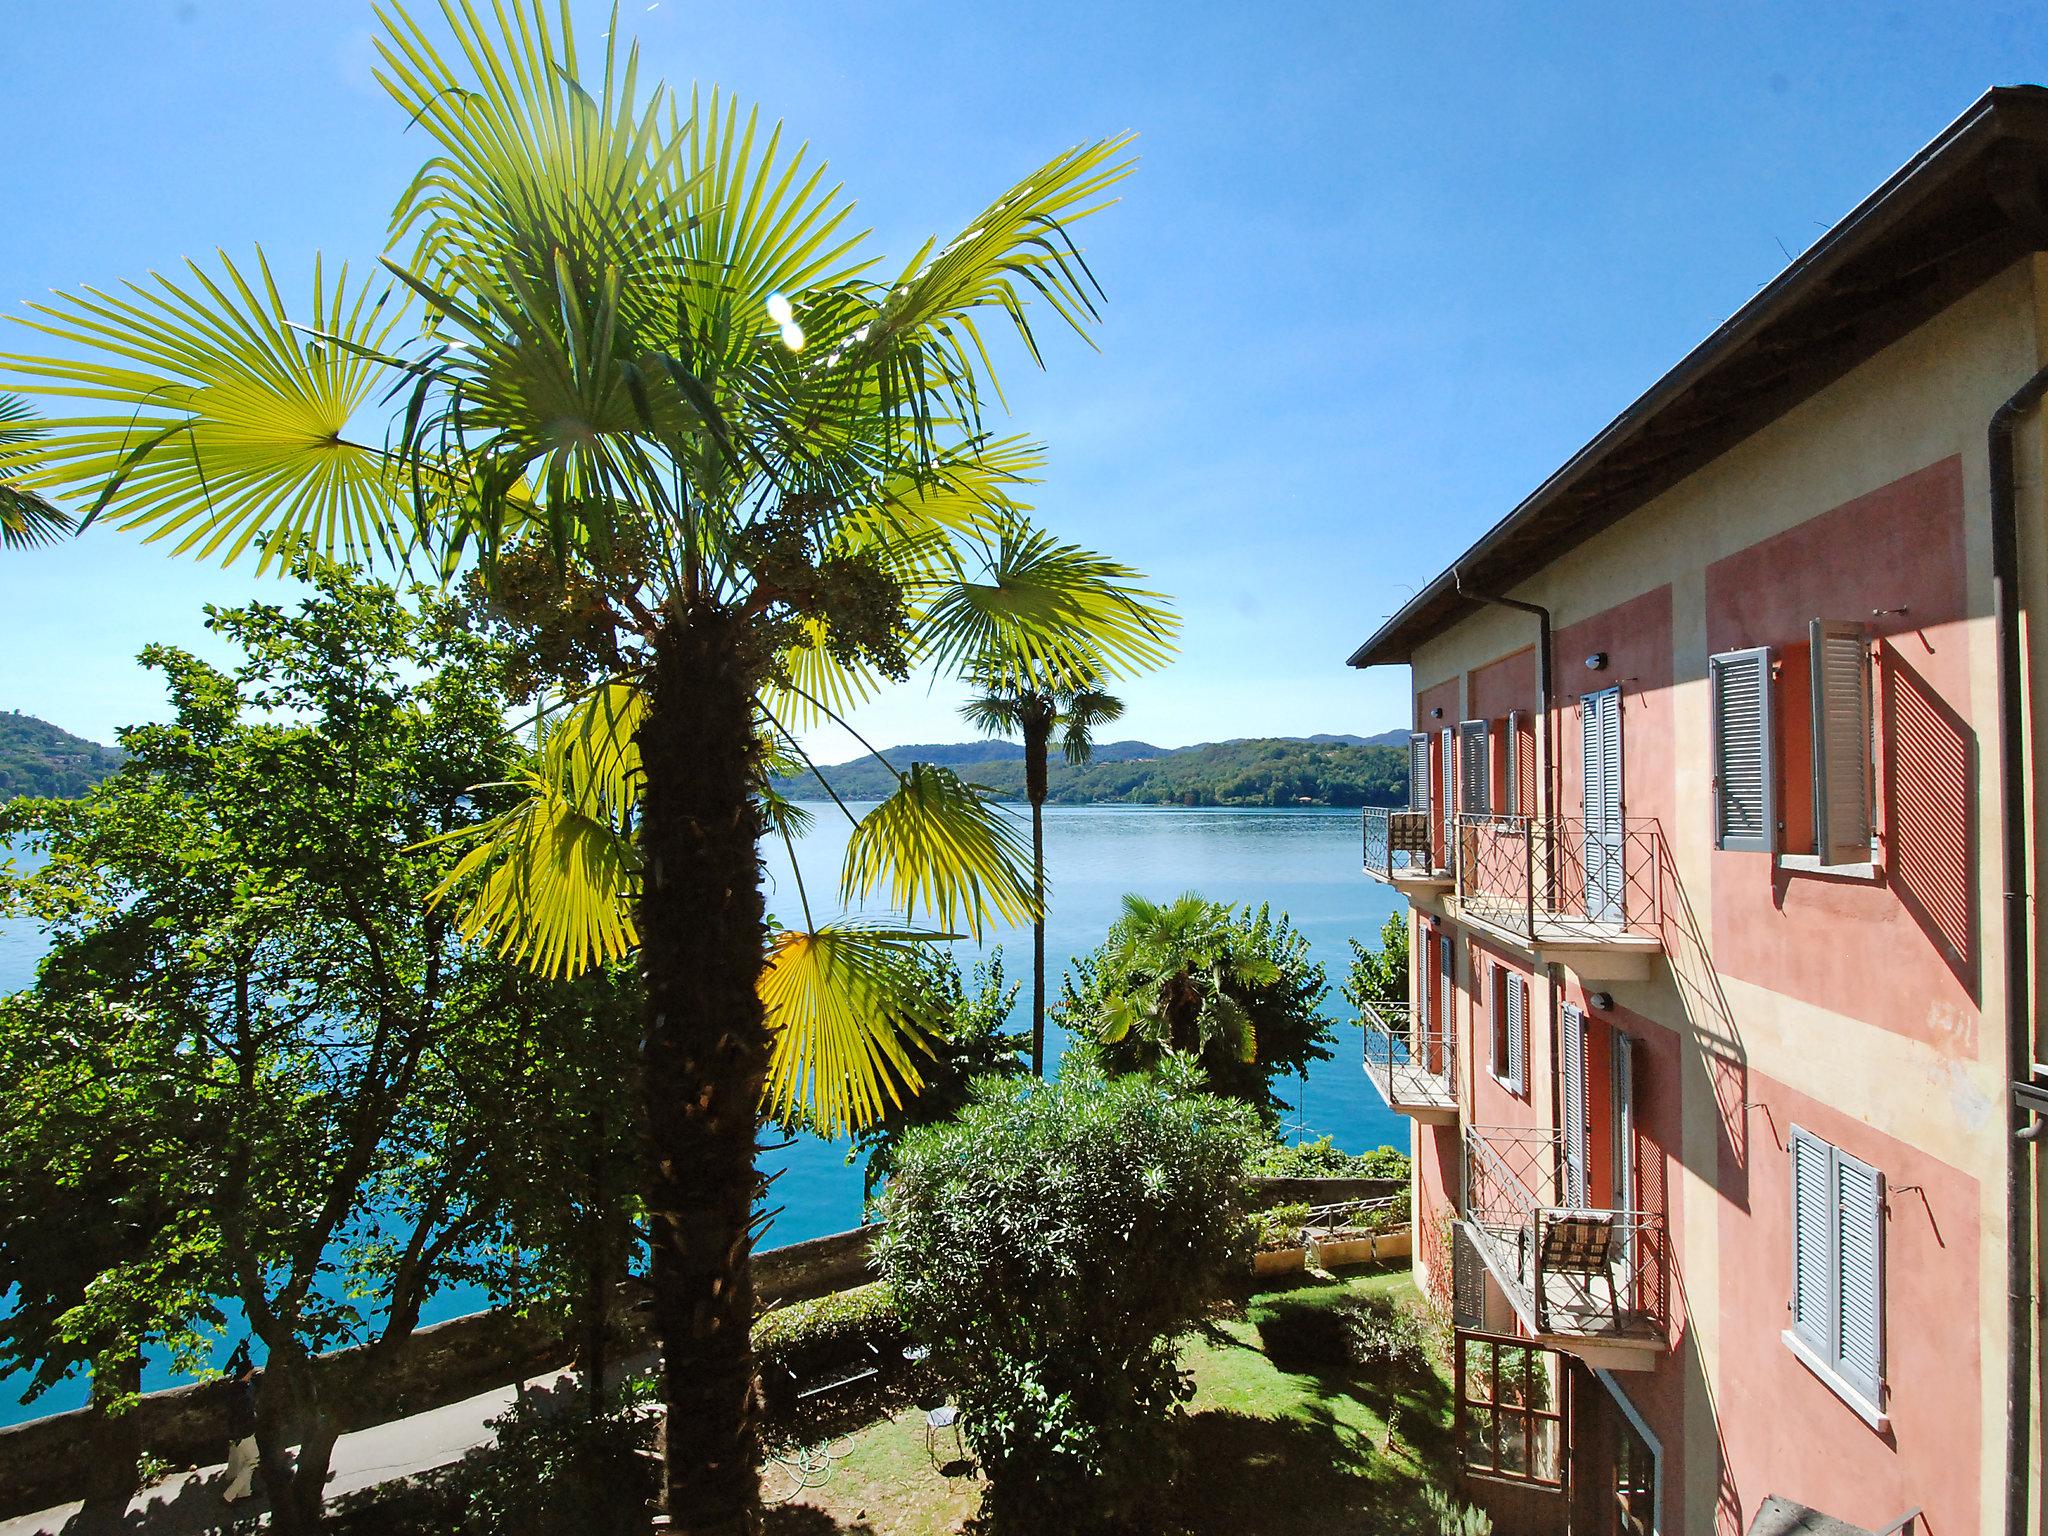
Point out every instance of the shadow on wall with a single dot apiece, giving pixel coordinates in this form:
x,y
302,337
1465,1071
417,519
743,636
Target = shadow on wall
x,y
1929,794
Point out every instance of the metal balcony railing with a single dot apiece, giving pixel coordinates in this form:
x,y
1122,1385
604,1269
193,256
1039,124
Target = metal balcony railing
x,y
1591,1272
1397,845
1414,1067
1542,879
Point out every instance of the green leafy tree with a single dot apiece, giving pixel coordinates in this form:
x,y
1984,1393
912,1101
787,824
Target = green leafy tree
x,y
308,1061
1233,990
972,1042
1051,1246
694,441
1380,975
1008,706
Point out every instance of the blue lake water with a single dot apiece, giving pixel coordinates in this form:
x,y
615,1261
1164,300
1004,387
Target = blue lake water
x,y
1304,862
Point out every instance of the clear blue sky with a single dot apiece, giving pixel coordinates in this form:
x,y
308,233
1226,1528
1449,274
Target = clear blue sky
x,y
1382,268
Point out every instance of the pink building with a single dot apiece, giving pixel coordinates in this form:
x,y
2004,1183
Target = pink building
x,y
1720,1050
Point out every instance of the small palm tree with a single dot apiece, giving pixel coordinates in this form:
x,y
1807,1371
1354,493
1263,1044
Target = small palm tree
x,y
1188,972
1014,708
730,476
26,519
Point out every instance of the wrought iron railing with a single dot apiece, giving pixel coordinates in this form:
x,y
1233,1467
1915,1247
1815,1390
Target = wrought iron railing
x,y
1542,878
1515,1207
1397,843
1411,1064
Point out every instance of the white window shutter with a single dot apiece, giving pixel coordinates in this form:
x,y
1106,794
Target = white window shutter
x,y
1813,1243
1447,742
1447,1015
1518,1030
1476,780
1859,1318
1418,771
1745,810
1841,742
1572,1072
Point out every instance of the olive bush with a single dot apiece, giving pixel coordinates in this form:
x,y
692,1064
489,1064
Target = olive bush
x,y
1051,1246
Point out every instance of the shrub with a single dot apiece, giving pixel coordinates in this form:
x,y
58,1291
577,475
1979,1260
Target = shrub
x,y
1386,1337
1278,1227
1051,1246
828,1337
1456,1519
1322,1159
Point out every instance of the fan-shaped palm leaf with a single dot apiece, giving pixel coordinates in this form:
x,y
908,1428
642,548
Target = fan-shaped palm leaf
x,y
937,844
845,1003
26,519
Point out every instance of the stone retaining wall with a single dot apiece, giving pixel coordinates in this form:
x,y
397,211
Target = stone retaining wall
x,y
49,1460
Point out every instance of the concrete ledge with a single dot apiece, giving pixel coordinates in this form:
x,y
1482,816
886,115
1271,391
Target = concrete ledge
x,y
1320,1191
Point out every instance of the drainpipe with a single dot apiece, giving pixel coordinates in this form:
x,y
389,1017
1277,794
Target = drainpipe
x,y
2019,1033
1547,759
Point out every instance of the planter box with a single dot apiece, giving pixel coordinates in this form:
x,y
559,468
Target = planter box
x,y
1360,1248
1279,1261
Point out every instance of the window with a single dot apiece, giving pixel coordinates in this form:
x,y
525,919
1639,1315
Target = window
x,y
1510,1409
1418,771
1838,1271
1829,721
1510,1018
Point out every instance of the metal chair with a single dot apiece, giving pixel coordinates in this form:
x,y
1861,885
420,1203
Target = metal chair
x,y
936,1423
1580,1243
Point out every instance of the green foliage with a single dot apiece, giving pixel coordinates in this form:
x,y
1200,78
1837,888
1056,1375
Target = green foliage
x,y
36,758
864,1313
1380,975
1051,1246
255,1063
972,1041
1454,1517
1279,1226
1321,1158
1266,771
1388,1337
1235,990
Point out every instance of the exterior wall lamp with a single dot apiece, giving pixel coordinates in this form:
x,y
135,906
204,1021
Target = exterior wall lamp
x,y
1437,713
1600,1002
1597,662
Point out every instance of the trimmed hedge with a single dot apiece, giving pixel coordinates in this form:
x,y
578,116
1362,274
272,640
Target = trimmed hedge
x,y
845,1319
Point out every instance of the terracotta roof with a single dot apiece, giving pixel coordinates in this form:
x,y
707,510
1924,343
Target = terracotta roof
x,y
1958,213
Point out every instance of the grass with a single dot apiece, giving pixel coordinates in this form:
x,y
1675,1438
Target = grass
x,y
1283,1435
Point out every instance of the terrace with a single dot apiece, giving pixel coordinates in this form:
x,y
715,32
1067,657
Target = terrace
x,y
1414,1067
1543,885
1589,1280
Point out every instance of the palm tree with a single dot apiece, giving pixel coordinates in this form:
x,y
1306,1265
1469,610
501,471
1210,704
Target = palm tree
x,y
1008,705
730,476
1187,972
26,519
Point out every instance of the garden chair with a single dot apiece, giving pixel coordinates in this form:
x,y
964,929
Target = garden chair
x,y
1581,1243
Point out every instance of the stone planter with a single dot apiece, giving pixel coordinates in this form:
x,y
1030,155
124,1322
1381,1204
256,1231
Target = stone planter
x,y
1346,1248
1279,1261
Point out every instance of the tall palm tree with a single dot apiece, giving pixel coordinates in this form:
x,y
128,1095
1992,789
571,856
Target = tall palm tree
x,y
731,477
1008,705
26,519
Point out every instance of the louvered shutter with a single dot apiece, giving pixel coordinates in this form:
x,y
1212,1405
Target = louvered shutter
x,y
1418,771
1447,1014
1468,1281
1476,779
1813,1243
1511,767
1859,1249
1450,772
1745,809
1572,1087
1600,754
1518,1030
1841,742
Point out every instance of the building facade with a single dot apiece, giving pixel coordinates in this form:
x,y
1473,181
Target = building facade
x,y
1721,1019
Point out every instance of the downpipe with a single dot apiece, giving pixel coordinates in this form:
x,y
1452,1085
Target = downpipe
x,y
1545,748
2024,1129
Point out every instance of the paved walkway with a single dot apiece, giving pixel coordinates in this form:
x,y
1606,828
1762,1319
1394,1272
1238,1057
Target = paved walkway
x,y
191,1501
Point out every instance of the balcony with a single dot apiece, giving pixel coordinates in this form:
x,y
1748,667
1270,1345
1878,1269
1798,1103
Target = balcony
x,y
1415,1069
1398,850
1539,884
1584,1279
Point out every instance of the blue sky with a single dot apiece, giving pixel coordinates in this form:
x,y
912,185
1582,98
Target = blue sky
x,y
1382,267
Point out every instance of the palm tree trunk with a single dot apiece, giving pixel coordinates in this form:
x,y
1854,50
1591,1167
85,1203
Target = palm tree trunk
x,y
1037,734
706,1057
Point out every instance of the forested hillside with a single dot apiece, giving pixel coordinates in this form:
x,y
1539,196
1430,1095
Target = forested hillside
x,y
36,758
1259,771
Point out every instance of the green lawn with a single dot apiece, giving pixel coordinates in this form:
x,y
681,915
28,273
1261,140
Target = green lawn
x,y
1284,1435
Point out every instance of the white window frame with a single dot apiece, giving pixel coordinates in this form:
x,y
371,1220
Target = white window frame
x,y
1507,1057
1814,1354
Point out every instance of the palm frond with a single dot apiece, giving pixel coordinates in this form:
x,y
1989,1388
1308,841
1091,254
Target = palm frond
x,y
938,845
593,752
26,519
205,414
847,1006
546,884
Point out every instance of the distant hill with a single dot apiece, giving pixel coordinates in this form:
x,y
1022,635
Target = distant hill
x,y
1275,770
38,758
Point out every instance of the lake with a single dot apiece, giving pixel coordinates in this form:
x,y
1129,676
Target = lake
x,y
1305,862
